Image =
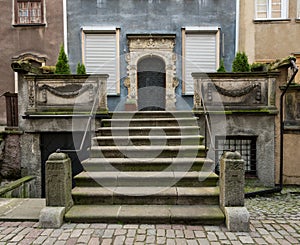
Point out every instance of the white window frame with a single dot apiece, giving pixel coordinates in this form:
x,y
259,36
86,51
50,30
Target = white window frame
x,y
186,78
105,30
284,10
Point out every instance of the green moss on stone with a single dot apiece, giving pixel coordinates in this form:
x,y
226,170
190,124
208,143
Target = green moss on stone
x,y
8,188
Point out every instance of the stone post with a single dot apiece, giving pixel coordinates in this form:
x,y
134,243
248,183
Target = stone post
x,y
58,190
59,181
232,181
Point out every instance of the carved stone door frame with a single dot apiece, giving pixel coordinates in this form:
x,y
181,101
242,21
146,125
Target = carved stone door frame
x,y
141,46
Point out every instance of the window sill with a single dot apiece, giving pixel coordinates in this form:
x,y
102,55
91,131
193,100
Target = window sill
x,y
29,25
297,20
262,21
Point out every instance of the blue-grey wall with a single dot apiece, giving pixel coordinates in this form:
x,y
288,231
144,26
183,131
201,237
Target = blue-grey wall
x,y
151,16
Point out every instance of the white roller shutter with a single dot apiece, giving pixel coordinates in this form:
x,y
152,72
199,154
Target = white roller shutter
x,y
101,57
201,55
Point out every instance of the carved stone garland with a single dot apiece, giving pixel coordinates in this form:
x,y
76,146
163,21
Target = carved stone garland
x,y
145,46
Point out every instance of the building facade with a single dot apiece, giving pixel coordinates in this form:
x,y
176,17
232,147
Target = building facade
x,y
151,43
269,29
30,30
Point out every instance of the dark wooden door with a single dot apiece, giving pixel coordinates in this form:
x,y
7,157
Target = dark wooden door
x,y
151,91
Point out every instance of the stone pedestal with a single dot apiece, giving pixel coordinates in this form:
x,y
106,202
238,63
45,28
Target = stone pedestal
x,y
232,181
59,181
130,106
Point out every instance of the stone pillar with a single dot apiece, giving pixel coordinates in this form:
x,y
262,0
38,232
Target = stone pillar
x,y
58,190
232,181
59,181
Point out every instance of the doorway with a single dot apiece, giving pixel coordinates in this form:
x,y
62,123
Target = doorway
x,y
151,78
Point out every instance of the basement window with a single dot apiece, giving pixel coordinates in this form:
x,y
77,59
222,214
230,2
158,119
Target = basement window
x,y
245,145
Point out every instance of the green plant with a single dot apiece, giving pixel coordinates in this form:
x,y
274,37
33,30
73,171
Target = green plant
x,y
258,67
240,63
81,69
62,65
222,67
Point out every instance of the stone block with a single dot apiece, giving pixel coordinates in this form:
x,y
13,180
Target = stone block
x,y
237,219
232,180
52,217
59,181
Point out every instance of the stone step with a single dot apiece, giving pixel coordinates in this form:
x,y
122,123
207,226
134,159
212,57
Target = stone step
x,y
149,214
131,179
148,140
152,131
144,164
149,122
153,151
146,195
151,114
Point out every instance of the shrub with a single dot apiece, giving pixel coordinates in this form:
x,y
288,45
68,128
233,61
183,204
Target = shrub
x,y
222,67
81,69
240,63
62,65
259,67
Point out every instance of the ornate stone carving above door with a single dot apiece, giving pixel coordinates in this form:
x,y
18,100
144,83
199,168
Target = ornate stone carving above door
x,y
143,46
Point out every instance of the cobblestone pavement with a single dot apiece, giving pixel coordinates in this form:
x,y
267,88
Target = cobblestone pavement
x,y
274,220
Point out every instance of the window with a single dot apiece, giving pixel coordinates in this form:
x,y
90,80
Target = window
x,y
245,145
271,9
101,54
29,12
200,53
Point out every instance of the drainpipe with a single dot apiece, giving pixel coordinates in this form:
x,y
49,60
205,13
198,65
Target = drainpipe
x,y
65,26
295,70
279,188
237,27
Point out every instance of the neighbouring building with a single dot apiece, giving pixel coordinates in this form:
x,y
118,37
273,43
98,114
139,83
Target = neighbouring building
x,y
30,30
269,30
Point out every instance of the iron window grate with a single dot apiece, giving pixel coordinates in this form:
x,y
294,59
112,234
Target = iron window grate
x,y
245,145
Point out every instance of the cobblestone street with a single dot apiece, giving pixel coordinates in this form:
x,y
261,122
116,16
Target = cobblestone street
x,y
274,220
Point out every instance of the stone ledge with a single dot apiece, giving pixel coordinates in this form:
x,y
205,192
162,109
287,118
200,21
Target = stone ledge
x,y
237,219
52,217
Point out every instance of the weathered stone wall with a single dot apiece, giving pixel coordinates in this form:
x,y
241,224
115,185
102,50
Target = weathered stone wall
x,y
241,104
10,156
261,126
40,122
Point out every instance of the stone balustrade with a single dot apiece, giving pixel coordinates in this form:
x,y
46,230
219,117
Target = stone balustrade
x,y
235,90
65,93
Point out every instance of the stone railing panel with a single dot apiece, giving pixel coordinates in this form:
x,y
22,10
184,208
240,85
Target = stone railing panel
x,y
64,92
235,90
21,188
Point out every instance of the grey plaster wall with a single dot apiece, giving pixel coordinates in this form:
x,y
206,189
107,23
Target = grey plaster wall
x,y
151,16
242,124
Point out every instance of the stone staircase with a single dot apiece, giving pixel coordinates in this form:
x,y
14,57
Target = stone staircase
x,y
147,167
